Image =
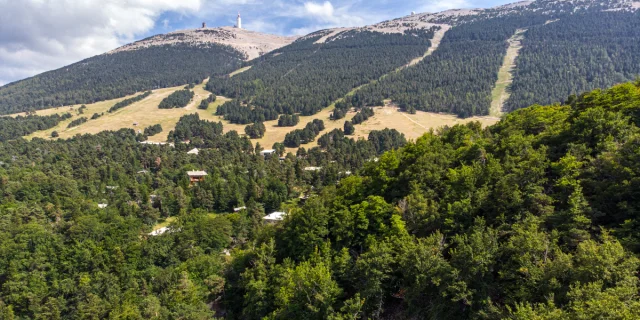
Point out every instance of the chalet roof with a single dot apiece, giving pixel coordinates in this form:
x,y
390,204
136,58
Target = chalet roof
x,y
267,151
239,209
197,173
159,231
194,151
312,168
275,216
102,205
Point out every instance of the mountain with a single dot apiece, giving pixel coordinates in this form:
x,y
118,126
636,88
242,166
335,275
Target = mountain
x,y
567,47
252,44
177,58
466,62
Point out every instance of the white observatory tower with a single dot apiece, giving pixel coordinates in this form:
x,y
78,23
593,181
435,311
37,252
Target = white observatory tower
x,y
239,22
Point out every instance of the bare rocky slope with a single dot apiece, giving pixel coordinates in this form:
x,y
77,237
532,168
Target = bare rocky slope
x,y
252,44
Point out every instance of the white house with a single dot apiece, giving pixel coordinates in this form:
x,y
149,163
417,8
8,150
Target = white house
x,y
239,209
312,168
267,152
274,217
159,231
102,205
194,151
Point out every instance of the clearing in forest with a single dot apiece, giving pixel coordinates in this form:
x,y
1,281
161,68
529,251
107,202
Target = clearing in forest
x,y
412,125
500,92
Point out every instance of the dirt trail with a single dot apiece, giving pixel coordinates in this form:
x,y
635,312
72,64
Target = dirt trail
x,y
435,43
500,92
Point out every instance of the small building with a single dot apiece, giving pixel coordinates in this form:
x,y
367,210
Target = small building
x,y
143,171
312,168
160,231
274,217
194,151
238,209
102,205
267,152
204,25
196,176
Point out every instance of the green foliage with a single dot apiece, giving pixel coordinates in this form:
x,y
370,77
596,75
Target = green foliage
x,y
349,129
153,130
575,54
114,75
128,102
204,104
77,122
505,222
287,120
14,128
298,137
178,99
305,77
256,130
459,76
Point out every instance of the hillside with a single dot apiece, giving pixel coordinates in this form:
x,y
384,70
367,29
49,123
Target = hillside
x,y
161,61
532,218
252,44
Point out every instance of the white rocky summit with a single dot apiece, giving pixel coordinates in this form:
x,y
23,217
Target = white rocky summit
x,y
252,44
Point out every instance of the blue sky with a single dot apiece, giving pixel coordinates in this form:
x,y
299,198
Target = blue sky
x,y
41,35
295,17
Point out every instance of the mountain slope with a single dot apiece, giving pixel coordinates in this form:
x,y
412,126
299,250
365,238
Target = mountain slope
x,y
161,61
316,70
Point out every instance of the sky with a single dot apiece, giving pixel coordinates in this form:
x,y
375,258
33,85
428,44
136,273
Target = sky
x,y
41,35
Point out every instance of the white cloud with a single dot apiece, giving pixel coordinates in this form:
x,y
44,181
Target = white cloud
x,y
324,10
40,35
438,5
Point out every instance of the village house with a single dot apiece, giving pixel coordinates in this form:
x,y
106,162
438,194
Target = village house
x,y
196,176
274,217
194,151
267,152
312,168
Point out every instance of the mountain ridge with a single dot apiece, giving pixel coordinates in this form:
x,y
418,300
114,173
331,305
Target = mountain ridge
x,y
252,43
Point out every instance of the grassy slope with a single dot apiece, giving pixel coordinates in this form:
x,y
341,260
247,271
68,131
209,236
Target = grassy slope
x,y
500,92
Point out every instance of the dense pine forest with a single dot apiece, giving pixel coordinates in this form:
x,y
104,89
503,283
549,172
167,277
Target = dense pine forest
x,y
101,77
458,77
306,77
20,126
533,218
65,257
575,54
127,102
177,99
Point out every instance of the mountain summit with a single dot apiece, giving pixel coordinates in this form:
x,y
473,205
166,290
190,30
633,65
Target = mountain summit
x,y
251,43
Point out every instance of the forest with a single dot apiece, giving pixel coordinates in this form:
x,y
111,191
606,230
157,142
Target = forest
x,y
77,122
64,257
574,54
532,218
458,77
177,99
305,77
115,75
299,137
128,102
20,126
